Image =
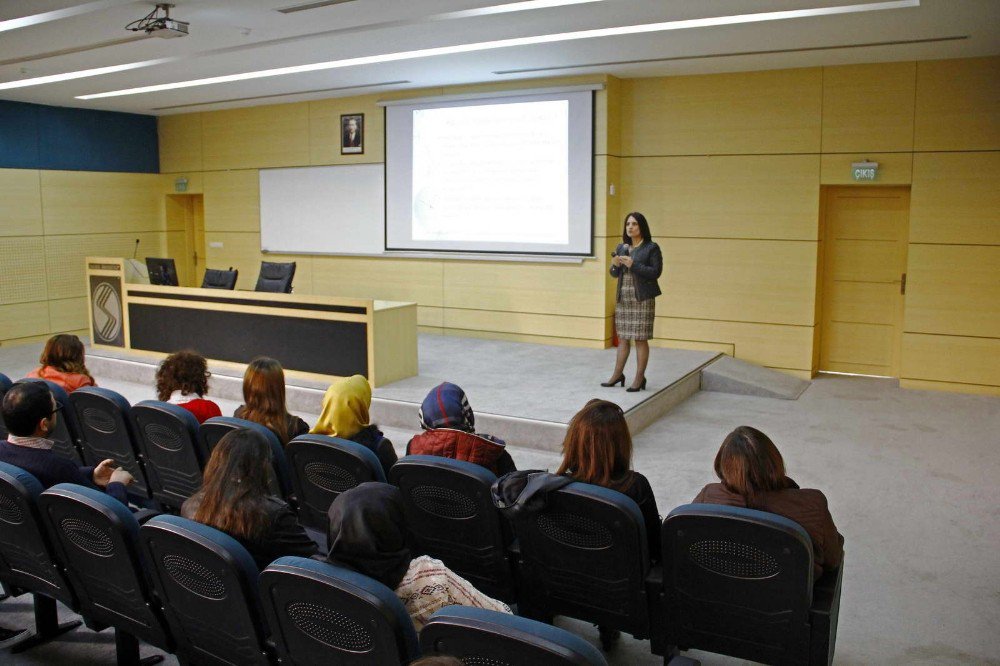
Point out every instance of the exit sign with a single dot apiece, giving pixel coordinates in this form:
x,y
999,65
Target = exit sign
x,y
864,171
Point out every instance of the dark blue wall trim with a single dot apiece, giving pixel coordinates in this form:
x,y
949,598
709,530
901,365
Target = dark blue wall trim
x,y
33,136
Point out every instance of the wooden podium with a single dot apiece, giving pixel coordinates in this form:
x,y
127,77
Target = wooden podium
x,y
317,337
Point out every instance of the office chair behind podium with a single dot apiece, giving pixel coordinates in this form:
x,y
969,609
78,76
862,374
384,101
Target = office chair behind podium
x,y
275,277
220,279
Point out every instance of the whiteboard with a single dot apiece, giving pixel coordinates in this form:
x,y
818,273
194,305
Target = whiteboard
x,y
323,210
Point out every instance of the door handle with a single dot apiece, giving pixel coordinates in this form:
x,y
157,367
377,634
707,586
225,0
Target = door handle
x,y
902,285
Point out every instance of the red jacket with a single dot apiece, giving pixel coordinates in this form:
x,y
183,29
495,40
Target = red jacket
x,y
458,445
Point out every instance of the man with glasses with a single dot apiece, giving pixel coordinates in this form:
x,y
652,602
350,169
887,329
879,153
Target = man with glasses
x,y
30,413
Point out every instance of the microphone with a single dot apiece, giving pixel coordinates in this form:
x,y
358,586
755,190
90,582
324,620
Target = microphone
x,y
136,248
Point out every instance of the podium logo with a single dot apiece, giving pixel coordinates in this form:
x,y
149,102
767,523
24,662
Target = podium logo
x,y
107,312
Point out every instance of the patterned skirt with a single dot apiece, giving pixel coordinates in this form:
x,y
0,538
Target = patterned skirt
x,y
633,319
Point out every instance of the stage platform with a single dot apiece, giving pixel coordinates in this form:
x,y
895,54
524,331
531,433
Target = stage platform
x,y
522,393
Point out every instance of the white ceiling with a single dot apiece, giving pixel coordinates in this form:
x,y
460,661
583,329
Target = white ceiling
x,y
234,36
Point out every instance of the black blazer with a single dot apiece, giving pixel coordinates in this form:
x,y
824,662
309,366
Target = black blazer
x,y
647,266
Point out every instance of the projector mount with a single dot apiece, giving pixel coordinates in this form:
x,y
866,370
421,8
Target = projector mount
x,y
156,24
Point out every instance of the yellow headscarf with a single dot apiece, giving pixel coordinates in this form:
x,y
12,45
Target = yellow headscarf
x,y
345,408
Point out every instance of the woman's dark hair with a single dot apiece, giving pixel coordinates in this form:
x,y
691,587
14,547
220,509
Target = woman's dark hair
x,y
64,352
185,371
264,396
643,227
236,485
748,464
598,446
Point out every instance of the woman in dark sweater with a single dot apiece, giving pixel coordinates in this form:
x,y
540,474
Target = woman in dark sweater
x,y
264,400
345,415
235,498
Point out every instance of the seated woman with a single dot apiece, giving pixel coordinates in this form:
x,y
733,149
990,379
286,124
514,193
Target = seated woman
x,y
182,379
345,415
598,450
62,363
368,534
450,431
264,400
235,498
753,476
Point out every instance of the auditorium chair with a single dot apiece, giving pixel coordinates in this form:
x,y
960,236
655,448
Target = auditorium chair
x,y
219,279
215,428
207,583
27,562
324,614
275,277
5,385
167,436
451,517
739,582
585,555
98,539
106,432
323,467
481,636
67,434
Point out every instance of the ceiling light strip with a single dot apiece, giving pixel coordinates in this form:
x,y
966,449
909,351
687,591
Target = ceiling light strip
x,y
56,14
311,5
289,94
82,74
73,50
507,43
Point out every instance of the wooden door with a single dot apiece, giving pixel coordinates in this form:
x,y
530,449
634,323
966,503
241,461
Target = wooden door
x,y
864,265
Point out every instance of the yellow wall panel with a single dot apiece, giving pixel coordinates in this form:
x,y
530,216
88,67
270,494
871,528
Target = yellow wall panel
x,y
23,320
556,326
893,169
868,107
611,102
923,385
232,201
417,280
738,280
241,250
325,136
68,314
770,345
608,223
958,104
953,289
82,202
21,197
948,358
64,257
862,302
955,198
753,196
775,111
22,269
859,345
259,136
180,142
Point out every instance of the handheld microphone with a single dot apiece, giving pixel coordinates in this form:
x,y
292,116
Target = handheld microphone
x,y
136,248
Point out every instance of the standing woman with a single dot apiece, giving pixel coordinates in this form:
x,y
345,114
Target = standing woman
x,y
264,400
637,263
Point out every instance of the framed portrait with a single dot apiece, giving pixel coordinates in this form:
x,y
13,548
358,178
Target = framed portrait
x,y
352,134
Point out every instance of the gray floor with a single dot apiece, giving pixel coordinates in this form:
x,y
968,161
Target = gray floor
x,y
911,477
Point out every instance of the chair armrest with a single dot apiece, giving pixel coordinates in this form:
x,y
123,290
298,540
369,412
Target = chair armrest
x,y
823,616
657,612
142,515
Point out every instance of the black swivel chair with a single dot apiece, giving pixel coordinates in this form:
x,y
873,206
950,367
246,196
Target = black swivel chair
x,y
220,279
275,277
167,436
739,582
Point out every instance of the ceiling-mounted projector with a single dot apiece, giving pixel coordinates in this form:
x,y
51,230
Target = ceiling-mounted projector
x,y
156,24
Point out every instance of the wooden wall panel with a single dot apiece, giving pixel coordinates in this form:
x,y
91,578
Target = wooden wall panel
x,y
65,255
256,137
521,323
775,111
232,201
736,280
868,107
21,197
955,198
771,345
893,169
417,280
324,130
953,290
948,358
68,314
22,269
23,320
180,142
958,104
84,202
753,196
241,250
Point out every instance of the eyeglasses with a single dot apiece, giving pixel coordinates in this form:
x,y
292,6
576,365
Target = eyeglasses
x,y
58,408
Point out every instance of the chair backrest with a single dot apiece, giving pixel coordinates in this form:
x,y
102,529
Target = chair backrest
x,y
167,436
215,428
322,468
324,614
26,556
207,583
68,434
219,279
98,537
481,636
451,517
275,277
585,555
5,385
106,429
737,582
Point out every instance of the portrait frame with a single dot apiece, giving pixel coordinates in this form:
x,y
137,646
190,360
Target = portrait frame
x,y
347,145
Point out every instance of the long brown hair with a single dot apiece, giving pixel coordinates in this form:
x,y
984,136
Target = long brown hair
x,y
748,464
264,396
64,352
236,485
185,371
598,446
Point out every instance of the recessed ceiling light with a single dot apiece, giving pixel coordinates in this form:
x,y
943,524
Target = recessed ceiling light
x,y
82,74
